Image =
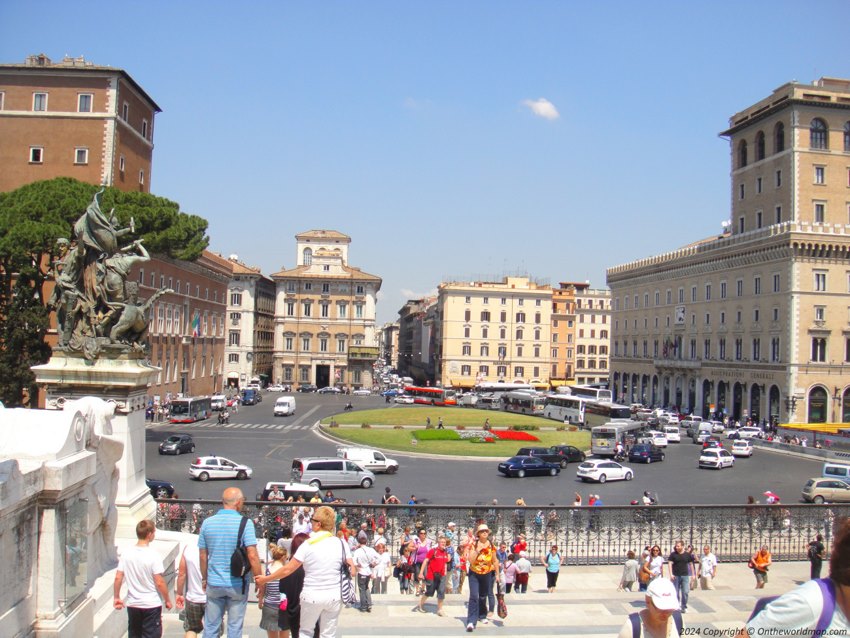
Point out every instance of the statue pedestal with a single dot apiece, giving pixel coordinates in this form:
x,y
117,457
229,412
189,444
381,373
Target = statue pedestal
x,y
122,379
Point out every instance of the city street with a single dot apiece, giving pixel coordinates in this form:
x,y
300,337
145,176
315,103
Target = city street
x,y
268,444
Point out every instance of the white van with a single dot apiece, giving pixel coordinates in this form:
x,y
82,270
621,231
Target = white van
x,y
284,406
832,469
372,460
702,433
218,402
672,433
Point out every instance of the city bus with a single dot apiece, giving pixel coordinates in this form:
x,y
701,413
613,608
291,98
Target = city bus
x,y
499,389
522,402
565,408
190,410
600,412
588,392
604,438
431,396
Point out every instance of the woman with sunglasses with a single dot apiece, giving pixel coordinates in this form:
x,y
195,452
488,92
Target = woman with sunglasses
x,y
483,571
653,567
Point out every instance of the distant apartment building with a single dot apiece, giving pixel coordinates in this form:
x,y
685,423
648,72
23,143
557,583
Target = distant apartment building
x,y
417,340
754,322
492,331
187,326
592,334
74,119
563,334
325,331
389,344
249,333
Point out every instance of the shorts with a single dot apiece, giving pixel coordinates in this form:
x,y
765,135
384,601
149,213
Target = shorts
x,y
193,617
436,586
268,620
761,577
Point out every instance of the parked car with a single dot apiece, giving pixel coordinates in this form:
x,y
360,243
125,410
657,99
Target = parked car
x,y
826,490
742,448
307,387
716,458
559,455
522,466
645,453
276,387
329,389
362,392
403,398
207,467
160,489
602,470
177,444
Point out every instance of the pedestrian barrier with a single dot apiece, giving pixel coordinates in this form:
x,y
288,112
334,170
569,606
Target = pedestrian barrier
x,y
584,535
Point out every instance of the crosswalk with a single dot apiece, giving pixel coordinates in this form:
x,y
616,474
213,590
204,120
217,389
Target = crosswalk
x,y
232,426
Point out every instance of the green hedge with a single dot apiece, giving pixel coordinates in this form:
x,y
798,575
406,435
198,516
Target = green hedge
x,y
524,428
436,435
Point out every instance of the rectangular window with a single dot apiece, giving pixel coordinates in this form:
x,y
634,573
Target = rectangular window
x,y
326,310
820,212
485,315
323,344
2,98
681,295
340,345
693,293
818,349
290,308
305,374
341,310
708,292
758,219
145,129
36,155
779,214
778,179
305,344
307,309
122,163
758,184
820,175
358,310
721,348
519,371
326,288
81,156
741,225
84,102
756,285
233,337
723,290
466,332
741,191
39,101
465,370
774,350
739,287
141,176
125,111
776,282
288,343
820,280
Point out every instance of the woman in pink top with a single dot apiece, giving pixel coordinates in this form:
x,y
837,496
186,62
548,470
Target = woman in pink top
x,y
421,544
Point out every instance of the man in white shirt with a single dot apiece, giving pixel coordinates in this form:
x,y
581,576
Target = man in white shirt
x,y
190,595
365,559
380,539
707,568
141,567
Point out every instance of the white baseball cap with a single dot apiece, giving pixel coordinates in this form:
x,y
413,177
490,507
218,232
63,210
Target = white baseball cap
x,y
663,594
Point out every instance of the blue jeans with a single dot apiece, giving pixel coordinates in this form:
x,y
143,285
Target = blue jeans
x,y
683,588
219,601
480,593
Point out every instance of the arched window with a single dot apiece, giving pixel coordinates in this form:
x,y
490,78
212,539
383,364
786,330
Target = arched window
x,y
817,134
847,137
759,146
742,154
779,138
817,405
308,256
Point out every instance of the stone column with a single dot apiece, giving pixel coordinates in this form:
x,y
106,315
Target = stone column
x,y
124,379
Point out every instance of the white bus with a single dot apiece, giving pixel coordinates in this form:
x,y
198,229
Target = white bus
x,y
600,412
489,387
565,408
604,438
522,402
588,392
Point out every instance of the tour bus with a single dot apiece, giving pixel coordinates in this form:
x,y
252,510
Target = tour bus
x,y
522,402
190,410
604,438
431,396
588,392
498,388
565,408
600,412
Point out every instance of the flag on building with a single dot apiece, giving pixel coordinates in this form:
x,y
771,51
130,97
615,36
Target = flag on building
x,y
196,324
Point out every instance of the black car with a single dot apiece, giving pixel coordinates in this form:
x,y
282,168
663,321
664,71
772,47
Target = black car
x,y
177,444
160,489
306,387
329,389
645,453
523,466
561,455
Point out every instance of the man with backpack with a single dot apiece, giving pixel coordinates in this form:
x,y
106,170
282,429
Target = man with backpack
x,y
227,540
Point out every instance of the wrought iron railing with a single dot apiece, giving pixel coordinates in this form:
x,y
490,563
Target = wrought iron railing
x,y
585,535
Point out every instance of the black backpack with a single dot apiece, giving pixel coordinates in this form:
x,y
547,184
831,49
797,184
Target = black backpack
x,y
636,628
239,565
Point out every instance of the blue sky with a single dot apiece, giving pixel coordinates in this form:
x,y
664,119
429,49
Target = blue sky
x,y
448,139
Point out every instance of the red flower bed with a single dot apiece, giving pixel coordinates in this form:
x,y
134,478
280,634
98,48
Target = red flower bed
x,y
513,435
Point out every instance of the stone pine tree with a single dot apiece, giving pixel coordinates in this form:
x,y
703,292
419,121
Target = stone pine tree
x,y
32,218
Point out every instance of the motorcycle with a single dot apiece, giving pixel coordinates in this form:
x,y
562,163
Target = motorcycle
x,y
223,417
650,512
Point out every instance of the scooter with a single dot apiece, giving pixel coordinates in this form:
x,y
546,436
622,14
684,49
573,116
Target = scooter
x,y
223,417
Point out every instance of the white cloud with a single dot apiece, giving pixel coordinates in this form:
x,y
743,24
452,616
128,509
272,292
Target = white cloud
x,y
407,293
542,108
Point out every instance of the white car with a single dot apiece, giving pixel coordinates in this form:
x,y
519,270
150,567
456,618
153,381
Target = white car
x,y
276,388
602,470
672,419
213,467
361,392
403,398
742,448
672,433
658,438
717,427
716,457
748,432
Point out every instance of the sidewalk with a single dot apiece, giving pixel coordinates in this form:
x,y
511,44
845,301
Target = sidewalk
x,y
586,603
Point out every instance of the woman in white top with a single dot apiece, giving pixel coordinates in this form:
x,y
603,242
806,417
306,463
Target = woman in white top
x,y
322,557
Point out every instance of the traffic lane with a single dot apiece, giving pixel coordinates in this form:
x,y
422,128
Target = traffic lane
x,y
677,481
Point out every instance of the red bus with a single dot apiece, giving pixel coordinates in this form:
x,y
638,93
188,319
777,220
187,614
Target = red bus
x,y
431,396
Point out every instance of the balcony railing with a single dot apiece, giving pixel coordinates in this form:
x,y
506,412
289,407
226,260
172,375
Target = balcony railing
x,y
586,535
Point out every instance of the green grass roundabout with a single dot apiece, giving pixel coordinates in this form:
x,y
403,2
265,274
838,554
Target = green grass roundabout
x,y
403,428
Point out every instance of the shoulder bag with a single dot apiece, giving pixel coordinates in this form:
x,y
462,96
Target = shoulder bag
x,y
347,592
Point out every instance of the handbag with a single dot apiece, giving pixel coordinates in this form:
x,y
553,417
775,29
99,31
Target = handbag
x,y
644,575
501,605
347,593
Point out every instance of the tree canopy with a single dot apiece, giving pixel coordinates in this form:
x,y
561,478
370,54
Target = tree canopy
x,y
32,218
